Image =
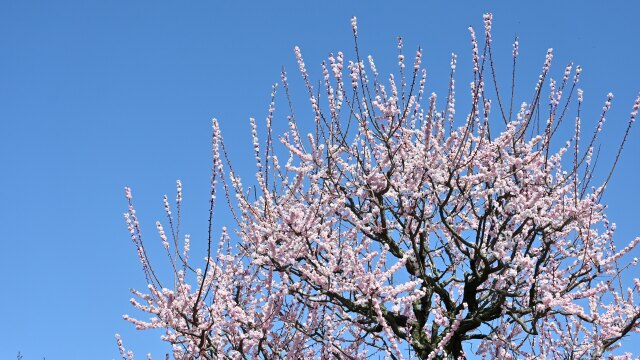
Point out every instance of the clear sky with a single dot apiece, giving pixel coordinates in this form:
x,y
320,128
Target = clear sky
x,y
96,95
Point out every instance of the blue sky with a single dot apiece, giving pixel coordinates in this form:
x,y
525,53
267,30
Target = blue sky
x,y
96,95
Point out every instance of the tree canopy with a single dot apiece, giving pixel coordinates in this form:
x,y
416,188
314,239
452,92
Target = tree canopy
x,y
404,229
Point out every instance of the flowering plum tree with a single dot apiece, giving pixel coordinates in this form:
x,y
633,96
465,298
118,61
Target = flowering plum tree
x,y
401,230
